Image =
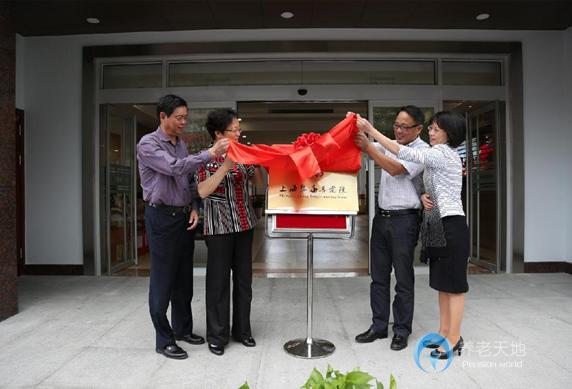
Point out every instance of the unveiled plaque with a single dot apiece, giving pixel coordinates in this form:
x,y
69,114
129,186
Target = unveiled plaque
x,y
330,193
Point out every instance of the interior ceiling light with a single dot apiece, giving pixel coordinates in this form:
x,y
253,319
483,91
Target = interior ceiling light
x,y
483,16
92,20
287,15
244,136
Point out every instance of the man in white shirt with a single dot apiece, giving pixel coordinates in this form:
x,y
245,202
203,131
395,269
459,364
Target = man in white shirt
x,y
395,230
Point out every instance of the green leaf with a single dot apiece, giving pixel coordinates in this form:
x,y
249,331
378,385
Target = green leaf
x,y
329,385
315,381
357,377
338,382
392,383
329,372
244,386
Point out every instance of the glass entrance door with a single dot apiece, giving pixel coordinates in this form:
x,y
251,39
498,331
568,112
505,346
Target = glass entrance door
x,y
118,190
482,172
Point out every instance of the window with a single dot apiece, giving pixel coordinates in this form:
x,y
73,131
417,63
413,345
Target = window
x,y
472,73
301,73
144,75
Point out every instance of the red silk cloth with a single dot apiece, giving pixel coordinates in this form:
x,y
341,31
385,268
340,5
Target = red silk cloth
x,y
310,155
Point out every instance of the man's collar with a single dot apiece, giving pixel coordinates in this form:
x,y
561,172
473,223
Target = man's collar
x,y
413,141
163,136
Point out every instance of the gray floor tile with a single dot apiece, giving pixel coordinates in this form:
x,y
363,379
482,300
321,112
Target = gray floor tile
x,y
90,332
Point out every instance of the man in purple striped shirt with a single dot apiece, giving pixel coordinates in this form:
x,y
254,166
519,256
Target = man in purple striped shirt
x,y
171,215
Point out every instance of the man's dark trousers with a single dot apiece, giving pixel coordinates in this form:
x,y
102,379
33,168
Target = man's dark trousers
x,y
393,241
171,247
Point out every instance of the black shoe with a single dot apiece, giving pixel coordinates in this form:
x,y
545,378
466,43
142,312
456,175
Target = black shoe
x,y
216,350
247,341
446,355
370,335
173,351
399,342
191,338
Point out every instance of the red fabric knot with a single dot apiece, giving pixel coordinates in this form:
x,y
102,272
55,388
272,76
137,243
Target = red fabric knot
x,y
306,140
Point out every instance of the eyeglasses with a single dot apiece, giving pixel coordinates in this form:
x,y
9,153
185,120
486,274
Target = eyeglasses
x,y
234,130
404,127
433,128
182,118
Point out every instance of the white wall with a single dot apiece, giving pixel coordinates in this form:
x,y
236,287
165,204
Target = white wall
x,y
52,104
568,163
546,151
51,94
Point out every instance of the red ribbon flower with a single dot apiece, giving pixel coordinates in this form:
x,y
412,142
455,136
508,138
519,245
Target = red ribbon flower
x,y
306,140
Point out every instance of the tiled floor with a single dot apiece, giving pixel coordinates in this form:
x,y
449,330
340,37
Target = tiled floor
x,y
90,332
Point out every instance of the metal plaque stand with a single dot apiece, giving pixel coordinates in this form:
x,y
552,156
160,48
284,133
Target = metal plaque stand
x,y
309,347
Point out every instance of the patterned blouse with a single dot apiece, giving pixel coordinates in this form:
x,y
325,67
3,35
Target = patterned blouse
x,y
228,209
443,176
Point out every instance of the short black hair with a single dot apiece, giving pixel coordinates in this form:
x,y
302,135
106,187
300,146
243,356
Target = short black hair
x,y
168,104
219,120
413,111
454,124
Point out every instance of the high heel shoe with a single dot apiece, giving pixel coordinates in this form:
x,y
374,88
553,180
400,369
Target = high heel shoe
x,y
447,354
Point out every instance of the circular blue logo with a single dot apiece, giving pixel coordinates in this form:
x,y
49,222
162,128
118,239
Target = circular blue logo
x,y
422,353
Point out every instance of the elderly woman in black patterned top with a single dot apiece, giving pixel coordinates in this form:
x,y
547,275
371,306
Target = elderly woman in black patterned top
x,y
444,231
229,222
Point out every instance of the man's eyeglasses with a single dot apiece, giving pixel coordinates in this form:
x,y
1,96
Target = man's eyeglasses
x,y
404,127
234,130
182,118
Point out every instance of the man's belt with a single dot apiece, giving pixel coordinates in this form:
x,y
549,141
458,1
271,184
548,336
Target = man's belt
x,y
397,212
171,208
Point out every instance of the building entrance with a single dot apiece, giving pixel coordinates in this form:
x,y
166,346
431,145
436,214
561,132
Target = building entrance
x,y
124,247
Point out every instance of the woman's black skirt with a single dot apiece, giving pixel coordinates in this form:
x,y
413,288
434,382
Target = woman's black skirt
x,y
448,272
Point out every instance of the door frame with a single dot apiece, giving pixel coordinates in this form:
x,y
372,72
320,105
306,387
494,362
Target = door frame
x,y
20,191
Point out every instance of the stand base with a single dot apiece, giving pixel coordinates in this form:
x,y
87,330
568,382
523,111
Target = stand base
x,y
316,348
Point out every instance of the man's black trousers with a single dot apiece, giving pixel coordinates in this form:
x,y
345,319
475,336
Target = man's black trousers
x,y
393,241
171,248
